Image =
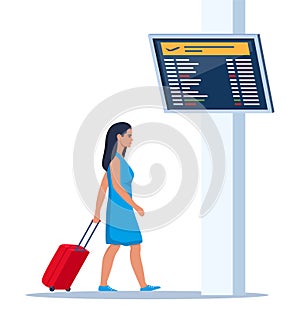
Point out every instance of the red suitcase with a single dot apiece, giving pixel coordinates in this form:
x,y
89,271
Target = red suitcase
x,y
66,263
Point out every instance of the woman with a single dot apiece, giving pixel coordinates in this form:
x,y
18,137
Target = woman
x,y
121,224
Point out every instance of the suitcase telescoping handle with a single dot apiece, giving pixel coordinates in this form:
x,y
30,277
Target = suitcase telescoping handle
x,y
85,233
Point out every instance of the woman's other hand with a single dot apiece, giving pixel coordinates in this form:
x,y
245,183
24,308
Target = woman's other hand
x,y
140,210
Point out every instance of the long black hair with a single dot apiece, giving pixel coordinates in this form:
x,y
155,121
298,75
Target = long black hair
x,y
111,142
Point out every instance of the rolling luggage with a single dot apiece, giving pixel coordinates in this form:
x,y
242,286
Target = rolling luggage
x,y
66,263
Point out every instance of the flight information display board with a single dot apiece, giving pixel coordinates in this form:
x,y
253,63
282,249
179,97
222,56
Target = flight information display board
x,y
212,72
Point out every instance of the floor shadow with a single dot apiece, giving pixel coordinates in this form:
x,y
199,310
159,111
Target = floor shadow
x,y
139,295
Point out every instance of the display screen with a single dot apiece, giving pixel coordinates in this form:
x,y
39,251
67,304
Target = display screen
x,y
212,72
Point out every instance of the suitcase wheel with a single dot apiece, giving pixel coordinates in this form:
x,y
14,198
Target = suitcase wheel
x,y
52,289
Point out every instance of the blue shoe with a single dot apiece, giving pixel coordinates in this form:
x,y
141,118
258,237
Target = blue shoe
x,y
105,288
149,288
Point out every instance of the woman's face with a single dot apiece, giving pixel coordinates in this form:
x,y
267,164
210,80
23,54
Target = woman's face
x,y
126,139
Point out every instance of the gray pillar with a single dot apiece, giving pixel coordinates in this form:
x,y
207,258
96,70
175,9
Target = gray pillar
x,y
223,228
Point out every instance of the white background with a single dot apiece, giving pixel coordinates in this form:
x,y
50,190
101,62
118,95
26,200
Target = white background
x,y
59,59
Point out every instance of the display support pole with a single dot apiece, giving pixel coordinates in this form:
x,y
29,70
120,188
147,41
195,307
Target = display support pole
x,y
223,228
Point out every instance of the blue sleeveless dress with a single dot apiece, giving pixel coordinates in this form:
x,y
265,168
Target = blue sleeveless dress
x,y
121,224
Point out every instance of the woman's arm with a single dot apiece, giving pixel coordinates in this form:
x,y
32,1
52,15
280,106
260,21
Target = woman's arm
x,y
100,198
115,175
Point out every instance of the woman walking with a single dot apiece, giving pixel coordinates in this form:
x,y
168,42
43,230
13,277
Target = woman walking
x,y
121,224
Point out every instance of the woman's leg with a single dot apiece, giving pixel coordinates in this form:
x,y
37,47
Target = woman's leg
x,y
136,262
107,263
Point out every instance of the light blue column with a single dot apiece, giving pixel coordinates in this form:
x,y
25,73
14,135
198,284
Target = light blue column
x,y
223,228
